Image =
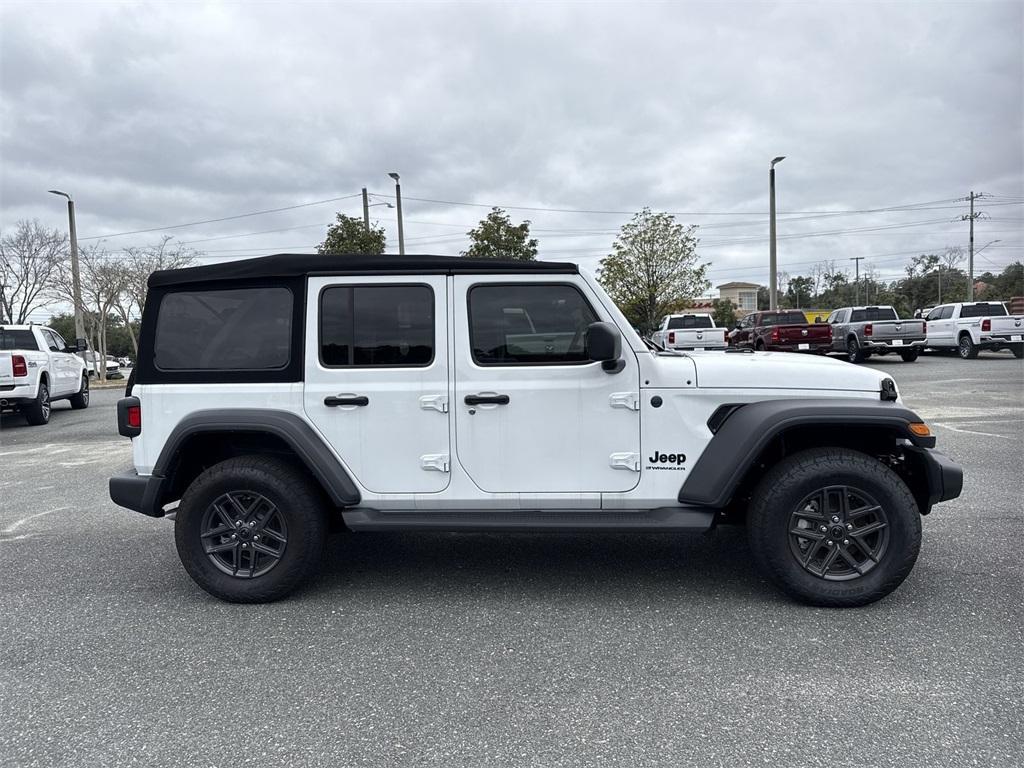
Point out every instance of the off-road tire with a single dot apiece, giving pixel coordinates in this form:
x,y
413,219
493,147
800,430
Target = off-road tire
x,y
81,399
854,353
789,482
298,500
759,346
965,347
1018,350
910,355
37,413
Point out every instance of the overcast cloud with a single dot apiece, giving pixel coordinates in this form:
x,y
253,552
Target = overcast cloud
x,y
155,115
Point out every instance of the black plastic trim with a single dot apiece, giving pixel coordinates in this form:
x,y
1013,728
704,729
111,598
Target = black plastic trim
x,y
749,430
138,493
290,428
945,477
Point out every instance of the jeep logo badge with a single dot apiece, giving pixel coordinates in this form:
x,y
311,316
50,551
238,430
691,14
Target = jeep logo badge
x,y
667,458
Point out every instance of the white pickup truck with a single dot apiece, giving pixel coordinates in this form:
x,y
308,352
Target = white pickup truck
x,y
689,331
969,327
36,368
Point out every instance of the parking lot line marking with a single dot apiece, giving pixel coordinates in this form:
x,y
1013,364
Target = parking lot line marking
x,y
972,431
16,525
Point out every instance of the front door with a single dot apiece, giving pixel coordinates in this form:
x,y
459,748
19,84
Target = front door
x,y
377,378
533,414
941,325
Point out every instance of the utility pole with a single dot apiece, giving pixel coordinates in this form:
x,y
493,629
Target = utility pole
x,y
398,202
773,287
366,210
970,250
76,284
856,281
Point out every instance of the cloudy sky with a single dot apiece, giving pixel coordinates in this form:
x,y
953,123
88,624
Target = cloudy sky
x,y
156,116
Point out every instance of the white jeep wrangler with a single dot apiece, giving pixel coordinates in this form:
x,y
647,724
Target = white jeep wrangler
x,y
275,396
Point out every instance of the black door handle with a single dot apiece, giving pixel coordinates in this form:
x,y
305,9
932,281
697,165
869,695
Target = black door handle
x,y
333,402
482,399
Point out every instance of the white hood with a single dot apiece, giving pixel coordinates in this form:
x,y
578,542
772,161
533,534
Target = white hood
x,y
783,370
757,371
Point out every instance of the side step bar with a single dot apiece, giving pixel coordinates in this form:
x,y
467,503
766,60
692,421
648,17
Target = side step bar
x,y
681,518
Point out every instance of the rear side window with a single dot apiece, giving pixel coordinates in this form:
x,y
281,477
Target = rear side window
x,y
242,329
377,325
983,310
874,314
689,321
528,324
18,339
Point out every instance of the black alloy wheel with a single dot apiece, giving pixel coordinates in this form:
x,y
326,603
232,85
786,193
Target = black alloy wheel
x,y
838,533
244,534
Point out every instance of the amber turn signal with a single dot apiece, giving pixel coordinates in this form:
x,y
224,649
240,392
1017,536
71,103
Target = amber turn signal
x,y
920,429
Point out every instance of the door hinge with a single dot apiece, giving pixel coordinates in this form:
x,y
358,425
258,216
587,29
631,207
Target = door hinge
x,y
434,403
627,400
434,462
630,461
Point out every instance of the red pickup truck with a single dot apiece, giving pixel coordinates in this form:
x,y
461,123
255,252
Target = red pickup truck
x,y
781,331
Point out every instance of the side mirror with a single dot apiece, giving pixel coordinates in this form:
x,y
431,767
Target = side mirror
x,y
604,345
81,345
817,319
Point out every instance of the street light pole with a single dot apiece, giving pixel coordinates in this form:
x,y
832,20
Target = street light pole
x,y
398,203
76,285
773,299
366,211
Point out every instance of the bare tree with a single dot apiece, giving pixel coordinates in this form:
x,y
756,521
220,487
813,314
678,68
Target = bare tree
x,y
138,265
951,258
30,258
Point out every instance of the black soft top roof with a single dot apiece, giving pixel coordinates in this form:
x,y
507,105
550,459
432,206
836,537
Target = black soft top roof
x,y
301,264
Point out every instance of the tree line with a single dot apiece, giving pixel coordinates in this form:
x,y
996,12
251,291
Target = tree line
x,y
35,273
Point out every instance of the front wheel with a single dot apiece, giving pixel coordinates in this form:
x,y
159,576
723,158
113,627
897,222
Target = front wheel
x,y
81,399
966,349
834,527
251,529
910,355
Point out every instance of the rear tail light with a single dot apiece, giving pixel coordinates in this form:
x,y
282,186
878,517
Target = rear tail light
x,y
867,329
671,337
986,324
129,417
19,365
775,335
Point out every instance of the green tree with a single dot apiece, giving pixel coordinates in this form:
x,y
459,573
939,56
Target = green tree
x,y
498,238
724,313
652,268
799,291
348,235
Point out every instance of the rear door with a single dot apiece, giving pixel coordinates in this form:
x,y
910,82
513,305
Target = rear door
x,y
376,382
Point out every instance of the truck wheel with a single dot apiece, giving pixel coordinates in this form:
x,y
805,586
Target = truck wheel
x,y
910,355
834,527
966,348
759,346
81,400
37,412
251,529
853,352
1018,350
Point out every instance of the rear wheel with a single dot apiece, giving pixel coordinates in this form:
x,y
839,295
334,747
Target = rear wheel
x,y
834,527
37,412
81,400
759,346
910,355
251,529
965,347
853,351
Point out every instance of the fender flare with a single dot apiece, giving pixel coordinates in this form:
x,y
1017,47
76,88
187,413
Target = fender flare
x,y
746,430
308,446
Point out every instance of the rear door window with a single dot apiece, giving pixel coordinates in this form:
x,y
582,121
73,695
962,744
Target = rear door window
x,y
242,329
368,326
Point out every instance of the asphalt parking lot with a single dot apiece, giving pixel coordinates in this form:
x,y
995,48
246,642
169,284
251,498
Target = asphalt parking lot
x,y
515,650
